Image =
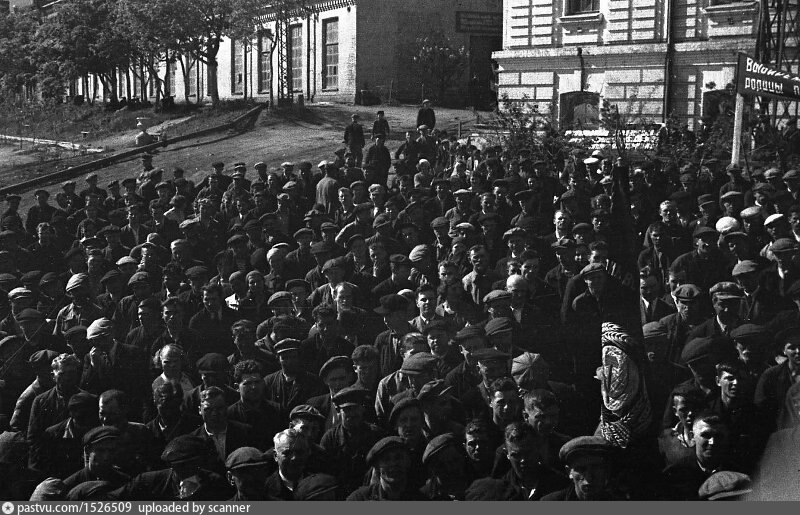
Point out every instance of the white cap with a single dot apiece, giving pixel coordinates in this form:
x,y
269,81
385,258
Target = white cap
x,y
727,224
772,219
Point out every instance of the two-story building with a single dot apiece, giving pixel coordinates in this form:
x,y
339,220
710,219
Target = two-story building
x,y
335,50
653,58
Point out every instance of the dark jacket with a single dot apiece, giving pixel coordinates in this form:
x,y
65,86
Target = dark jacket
x,y
288,395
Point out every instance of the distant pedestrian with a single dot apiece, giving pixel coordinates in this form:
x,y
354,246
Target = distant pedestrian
x,y
426,116
380,125
354,139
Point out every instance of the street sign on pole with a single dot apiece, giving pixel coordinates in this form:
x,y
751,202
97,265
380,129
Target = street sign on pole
x,y
756,79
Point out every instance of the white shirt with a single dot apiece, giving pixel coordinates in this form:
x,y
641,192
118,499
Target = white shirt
x,y
219,441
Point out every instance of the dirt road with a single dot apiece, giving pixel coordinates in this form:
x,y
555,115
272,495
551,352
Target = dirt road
x,y
311,135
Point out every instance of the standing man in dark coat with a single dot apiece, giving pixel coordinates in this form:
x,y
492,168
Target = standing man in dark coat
x,y
354,139
426,116
291,385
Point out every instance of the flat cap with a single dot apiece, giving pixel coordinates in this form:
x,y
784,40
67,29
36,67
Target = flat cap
x,y
463,193
440,221
726,290
30,315
437,325
697,349
279,296
334,363
76,281
381,220
515,232
139,278
42,358
791,175
581,227
687,292
563,244
391,303
78,332
82,400
20,293
331,264
583,445
745,267
287,345
189,223
212,362
751,333
305,231
245,457
723,485
100,434
727,224
497,296
311,487
750,212
418,253
490,354
328,226
701,231
298,283
771,219
784,245
465,226
592,268
530,371
705,199
418,363
126,260
498,325
351,396
399,259
98,328
489,217
433,389
306,411
383,446
321,247
196,272
470,331
237,239
184,448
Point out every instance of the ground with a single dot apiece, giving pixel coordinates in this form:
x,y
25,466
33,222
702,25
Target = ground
x,y
312,135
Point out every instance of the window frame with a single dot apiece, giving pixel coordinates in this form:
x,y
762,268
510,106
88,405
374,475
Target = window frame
x,y
296,56
574,7
326,44
264,84
238,68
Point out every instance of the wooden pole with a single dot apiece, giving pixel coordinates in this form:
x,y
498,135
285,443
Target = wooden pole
x,y
736,148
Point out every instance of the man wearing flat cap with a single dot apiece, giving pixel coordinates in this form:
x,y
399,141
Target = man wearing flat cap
x,y
41,363
100,446
779,278
16,352
42,211
705,265
61,452
111,365
81,311
52,406
185,479
726,298
291,385
588,461
348,442
248,470
354,138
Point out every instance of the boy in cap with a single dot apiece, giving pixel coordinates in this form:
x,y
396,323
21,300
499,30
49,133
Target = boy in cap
x,y
248,470
354,138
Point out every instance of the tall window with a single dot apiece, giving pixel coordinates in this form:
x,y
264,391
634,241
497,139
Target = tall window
x,y
582,6
237,68
330,41
296,56
264,68
173,71
191,76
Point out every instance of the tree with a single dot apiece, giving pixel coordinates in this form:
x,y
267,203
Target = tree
x,y
17,68
83,38
200,25
438,61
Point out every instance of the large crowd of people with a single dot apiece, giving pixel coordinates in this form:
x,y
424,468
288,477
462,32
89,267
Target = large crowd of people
x,y
444,323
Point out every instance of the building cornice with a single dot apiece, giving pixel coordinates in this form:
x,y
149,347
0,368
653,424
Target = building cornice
x,y
623,51
313,7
